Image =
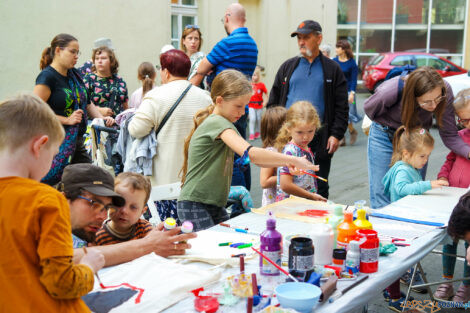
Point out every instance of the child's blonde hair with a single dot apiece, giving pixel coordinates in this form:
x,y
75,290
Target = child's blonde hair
x,y
462,100
411,141
229,84
301,112
24,117
136,182
271,123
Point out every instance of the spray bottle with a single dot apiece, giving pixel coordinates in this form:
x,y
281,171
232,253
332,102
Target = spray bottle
x,y
271,241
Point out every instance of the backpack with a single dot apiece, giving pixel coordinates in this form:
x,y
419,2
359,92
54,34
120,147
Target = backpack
x,y
401,71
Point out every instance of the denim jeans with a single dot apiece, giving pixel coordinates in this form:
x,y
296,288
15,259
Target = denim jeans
x,y
448,262
379,155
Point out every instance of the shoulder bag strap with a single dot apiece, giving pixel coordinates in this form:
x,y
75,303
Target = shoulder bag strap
x,y
167,116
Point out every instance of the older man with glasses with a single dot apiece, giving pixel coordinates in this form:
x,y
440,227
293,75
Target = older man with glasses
x,y
89,190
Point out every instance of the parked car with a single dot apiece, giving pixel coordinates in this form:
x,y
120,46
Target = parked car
x,y
378,67
458,82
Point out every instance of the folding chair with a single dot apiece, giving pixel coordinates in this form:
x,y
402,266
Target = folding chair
x,y
162,192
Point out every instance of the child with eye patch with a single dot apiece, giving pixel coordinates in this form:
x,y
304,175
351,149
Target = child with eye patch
x,y
125,223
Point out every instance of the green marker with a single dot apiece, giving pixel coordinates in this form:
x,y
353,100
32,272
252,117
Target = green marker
x,y
245,246
224,244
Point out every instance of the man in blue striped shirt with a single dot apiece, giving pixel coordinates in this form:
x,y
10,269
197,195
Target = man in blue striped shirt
x,y
236,51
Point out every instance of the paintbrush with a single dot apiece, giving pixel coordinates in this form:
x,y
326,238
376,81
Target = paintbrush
x,y
342,292
276,265
96,274
313,175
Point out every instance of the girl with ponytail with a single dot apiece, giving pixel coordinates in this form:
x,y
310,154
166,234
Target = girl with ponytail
x,y
209,151
146,74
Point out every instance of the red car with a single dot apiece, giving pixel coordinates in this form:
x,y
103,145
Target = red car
x,y
378,67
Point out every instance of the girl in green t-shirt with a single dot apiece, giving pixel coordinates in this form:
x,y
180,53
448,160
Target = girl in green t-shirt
x,y
209,150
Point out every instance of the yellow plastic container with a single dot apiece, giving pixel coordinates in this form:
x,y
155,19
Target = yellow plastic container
x,y
361,222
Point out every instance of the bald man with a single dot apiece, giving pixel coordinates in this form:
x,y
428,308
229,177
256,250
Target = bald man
x,y
237,51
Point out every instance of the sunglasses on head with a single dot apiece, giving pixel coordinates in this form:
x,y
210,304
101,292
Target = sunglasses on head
x,y
189,26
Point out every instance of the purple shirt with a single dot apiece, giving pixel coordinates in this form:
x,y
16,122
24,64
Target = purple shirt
x,y
382,108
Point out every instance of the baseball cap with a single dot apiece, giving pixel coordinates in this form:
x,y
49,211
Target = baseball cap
x,y
307,27
103,42
91,178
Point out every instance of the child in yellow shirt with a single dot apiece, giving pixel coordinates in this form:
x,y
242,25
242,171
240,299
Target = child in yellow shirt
x,y
36,271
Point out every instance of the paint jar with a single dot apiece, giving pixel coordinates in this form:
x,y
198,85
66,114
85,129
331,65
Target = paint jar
x,y
186,228
271,246
369,249
339,257
169,224
361,222
301,258
346,231
323,240
334,220
353,257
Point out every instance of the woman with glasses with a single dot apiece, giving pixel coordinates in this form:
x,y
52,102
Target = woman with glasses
x,y
424,95
190,43
107,90
61,86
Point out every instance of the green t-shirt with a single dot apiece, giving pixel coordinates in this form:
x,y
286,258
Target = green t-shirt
x,y
210,164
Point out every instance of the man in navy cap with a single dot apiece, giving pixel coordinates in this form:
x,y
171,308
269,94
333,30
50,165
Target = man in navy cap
x,y
319,80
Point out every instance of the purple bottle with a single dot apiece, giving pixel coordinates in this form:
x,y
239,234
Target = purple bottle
x,y
271,247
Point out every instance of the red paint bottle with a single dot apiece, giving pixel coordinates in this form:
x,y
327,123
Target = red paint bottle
x,y
369,250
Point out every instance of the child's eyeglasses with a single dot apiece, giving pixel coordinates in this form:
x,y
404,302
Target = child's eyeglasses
x,y
463,121
96,205
189,26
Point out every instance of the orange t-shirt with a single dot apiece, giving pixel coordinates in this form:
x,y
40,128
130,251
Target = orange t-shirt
x,y
35,225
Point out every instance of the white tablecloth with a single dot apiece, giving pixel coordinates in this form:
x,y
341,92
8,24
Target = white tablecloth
x,y
422,239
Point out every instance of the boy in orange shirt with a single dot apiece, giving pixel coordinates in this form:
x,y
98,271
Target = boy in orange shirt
x,y
36,271
125,222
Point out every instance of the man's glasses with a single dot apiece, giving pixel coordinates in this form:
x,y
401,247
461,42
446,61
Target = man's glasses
x,y
97,206
430,103
223,18
189,26
463,121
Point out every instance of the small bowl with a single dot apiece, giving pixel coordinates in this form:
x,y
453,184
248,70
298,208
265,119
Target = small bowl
x,y
302,297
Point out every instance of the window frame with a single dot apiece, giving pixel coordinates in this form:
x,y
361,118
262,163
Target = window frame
x,y
179,10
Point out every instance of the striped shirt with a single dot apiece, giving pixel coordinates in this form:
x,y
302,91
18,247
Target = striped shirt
x,y
236,51
105,237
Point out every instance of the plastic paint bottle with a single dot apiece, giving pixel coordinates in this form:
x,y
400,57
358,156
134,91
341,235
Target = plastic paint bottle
x,y
187,227
271,246
361,222
323,240
301,258
369,251
335,220
346,231
169,224
353,257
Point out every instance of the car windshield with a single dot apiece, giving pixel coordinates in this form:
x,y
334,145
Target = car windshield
x,y
376,60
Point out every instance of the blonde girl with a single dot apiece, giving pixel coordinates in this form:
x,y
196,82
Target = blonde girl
x,y
456,171
271,123
209,151
146,74
411,150
298,130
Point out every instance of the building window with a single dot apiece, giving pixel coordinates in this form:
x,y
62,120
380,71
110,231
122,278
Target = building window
x,y
375,26
183,12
